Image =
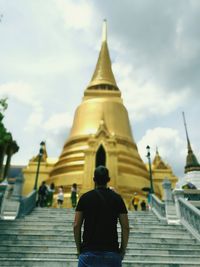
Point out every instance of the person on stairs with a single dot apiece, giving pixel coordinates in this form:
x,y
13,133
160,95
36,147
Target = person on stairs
x,y
74,195
51,191
135,201
143,205
42,195
99,210
60,196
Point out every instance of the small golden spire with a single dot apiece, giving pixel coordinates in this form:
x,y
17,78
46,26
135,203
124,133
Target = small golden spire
x,y
187,137
158,162
103,77
192,163
104,31
157,151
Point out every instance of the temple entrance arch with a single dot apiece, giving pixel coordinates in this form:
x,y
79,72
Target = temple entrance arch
x,y
100,156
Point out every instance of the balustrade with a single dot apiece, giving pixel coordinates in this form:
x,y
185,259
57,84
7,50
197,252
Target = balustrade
x,y
190,216
158,205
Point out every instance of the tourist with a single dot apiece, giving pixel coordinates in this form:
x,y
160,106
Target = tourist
x,y
135,201
143,205
99,210
149,201
60,196
42,195
74,195
51,191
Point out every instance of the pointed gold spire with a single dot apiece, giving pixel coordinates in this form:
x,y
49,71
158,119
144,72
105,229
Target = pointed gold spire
x,y
158,162
104,31
103,77
187,137
192,163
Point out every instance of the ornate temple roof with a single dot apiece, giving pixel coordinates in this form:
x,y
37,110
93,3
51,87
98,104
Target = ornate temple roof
x,y
158,163
103,77
192,163
44,155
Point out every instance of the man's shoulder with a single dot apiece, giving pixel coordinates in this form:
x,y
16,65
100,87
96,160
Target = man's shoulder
x,y
88,193
93,192
114,193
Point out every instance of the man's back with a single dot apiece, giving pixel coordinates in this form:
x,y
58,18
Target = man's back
x,y
101,208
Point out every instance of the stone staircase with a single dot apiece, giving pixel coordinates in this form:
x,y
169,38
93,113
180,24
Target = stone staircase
x,y
45,239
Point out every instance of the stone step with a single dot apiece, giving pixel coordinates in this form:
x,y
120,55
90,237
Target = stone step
x,y
73,263
129,257
42,211
67,244
72,249
69,232
45,238
68,238
71,215
69,227
67,221
66,210
59,235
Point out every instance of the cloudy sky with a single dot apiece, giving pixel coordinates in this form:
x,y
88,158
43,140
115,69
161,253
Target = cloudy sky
x,y
48,52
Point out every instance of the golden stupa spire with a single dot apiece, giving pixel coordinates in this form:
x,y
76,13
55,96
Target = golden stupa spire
x,y
158,163
187,137
103,77
192,163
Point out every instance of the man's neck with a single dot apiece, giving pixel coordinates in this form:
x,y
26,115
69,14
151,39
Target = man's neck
x,y
101,186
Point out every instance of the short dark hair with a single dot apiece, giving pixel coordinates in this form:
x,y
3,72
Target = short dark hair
x,y
101,175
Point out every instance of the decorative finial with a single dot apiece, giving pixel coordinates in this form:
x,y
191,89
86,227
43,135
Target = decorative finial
x,y
192,163
104,31
188,141
157,150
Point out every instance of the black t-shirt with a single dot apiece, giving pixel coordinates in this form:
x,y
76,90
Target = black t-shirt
x,y
101,208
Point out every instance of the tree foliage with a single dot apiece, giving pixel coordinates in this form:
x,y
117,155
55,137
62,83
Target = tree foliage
x,y
5,136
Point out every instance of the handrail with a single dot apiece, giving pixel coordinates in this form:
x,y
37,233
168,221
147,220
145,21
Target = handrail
x,y
27,204
190,217
1,199
158,207
192,194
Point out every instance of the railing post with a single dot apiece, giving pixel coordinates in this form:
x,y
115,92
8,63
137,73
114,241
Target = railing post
x,y
17,192
169,205
177,195
167,191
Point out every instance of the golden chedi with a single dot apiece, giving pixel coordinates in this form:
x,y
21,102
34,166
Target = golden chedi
x,y
29,172
101,135
161,171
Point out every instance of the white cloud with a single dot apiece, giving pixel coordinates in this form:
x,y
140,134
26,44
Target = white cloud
x,y
76,14
57,122
168,142
55,132
35,120
146,99
20,91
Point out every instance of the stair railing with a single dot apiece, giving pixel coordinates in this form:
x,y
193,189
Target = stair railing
x,y
1,198
13,204
2,191
27,204
188,214
158,207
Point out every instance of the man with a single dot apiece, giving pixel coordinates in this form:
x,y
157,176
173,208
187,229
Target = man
x,y
42,194
135,201
100,210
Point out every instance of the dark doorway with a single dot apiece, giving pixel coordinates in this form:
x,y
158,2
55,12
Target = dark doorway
x,y
101,156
